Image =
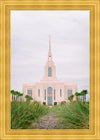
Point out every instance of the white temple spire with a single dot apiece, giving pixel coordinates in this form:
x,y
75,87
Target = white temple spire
x,y
49,53
49,43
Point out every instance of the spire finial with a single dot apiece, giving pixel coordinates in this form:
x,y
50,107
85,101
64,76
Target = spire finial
x,y
49,53
49,42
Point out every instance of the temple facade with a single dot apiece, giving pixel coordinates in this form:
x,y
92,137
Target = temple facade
x,y
50,90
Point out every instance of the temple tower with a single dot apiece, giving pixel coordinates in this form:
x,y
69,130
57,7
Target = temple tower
x,y
50,69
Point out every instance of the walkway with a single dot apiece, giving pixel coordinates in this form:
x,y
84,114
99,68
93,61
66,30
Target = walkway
x,y
50,121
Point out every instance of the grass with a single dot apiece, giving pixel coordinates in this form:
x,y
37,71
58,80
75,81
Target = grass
x,y
24,113
73,116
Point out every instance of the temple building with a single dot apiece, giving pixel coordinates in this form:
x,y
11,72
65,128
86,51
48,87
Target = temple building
x,y
50,90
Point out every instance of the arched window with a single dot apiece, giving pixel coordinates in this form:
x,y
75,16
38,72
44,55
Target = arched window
x,y
49,72
49,96
49,90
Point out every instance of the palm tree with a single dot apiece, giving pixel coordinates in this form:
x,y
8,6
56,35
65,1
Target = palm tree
x,y
81,95
71,98
18,94
77,95
28,98
21,94
15,93
84,92
12,92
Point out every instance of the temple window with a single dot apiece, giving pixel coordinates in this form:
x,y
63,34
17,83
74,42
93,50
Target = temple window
x,y
54,94
49,90
49,72
38,92
29,92
69,93
60,92
45,94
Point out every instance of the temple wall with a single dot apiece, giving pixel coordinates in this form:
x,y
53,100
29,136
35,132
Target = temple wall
x,y
55,86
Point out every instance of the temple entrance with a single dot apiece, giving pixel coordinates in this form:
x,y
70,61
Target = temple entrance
x,y
49,96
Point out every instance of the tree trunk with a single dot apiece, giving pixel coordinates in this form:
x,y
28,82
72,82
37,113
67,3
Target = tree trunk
x,y
17,98
85,97
81,98
12,97
76,98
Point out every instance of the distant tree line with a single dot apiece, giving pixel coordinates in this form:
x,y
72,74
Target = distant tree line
x,y
17,96
79,96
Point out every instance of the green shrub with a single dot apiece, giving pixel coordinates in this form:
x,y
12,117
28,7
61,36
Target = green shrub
x,y
74,115
24,113
63,102
71,98
28,98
